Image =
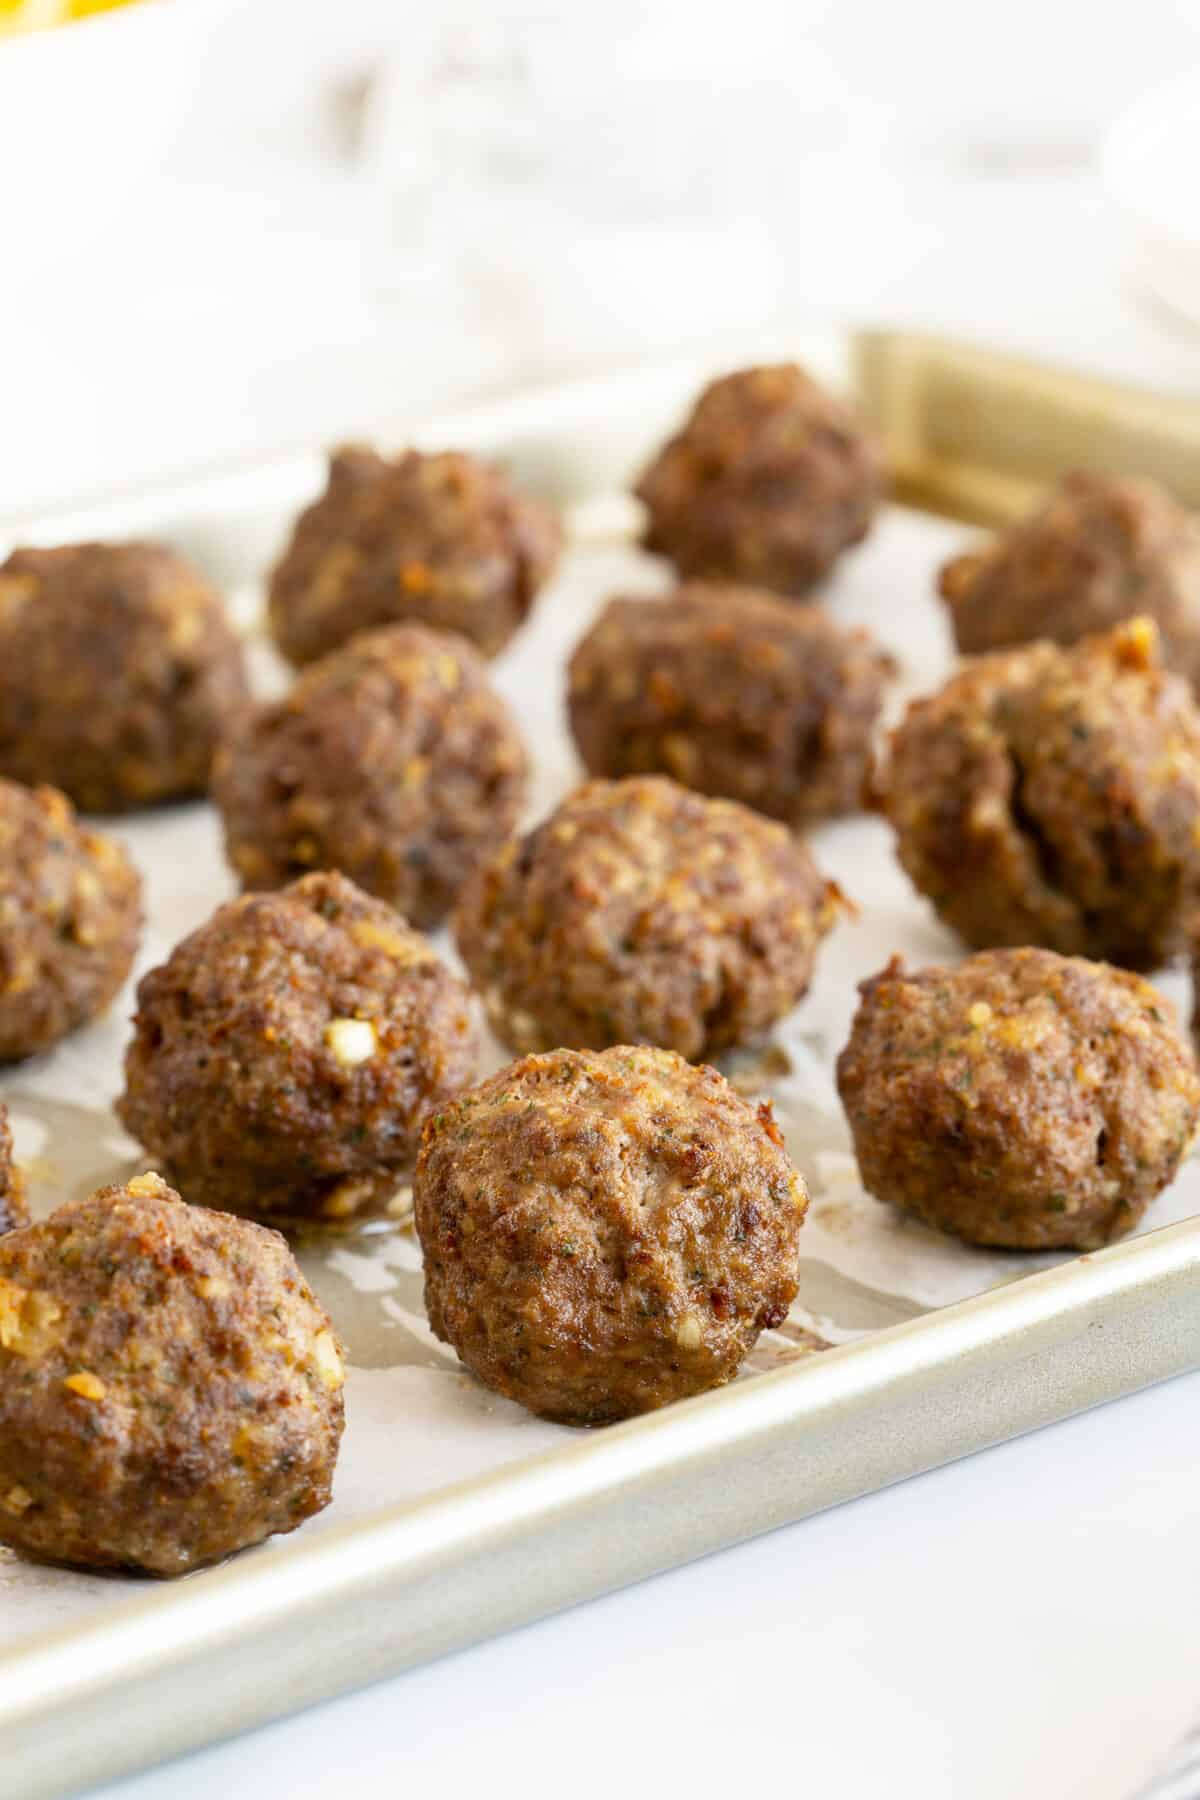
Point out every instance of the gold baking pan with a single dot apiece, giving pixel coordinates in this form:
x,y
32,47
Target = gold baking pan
x,y
132,1673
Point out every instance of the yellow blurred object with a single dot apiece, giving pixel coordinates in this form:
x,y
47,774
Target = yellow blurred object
x,y
43,15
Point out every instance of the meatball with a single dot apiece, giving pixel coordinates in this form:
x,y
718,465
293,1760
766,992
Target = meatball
x,y
285,1055
170,1390
442,540
732,692
118,673
1098,550
1049,796
641,913
70,919
769,480
13,1210
605,1233
1022,1099
393,760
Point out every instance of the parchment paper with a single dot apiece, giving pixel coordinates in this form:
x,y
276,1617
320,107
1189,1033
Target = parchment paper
x,y
415,1421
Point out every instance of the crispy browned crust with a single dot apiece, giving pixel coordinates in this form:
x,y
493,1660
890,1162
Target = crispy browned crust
x,y
605,1233
769,480
1100,549
443,540
1052,797
242,1079
118,673
639,912
1022,1099
733,692
70,920
393,760
170,1390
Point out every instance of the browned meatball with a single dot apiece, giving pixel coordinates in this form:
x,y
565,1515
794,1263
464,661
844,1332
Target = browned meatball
x,y
70,918
733,692
642,913
13,1209
393,760
1021,1099
606,1233
1052,797
768,481
118,673
1098,550
286,1054
170,1390
442,540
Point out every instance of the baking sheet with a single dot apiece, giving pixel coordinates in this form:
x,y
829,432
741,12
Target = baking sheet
x,y
416,1423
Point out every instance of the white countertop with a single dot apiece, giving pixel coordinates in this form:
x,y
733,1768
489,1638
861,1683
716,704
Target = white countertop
x,y
1020,1624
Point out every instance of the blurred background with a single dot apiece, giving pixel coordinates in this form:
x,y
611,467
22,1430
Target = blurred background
x,y
235,226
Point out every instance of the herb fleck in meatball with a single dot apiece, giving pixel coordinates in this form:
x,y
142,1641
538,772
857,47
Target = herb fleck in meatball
x,y
1097,551
70,918
170,1390
642,913
13,1210
733,692
1022,1099
441,540
606,1233
768,481
286,1054
393,760
1052,797
118,673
